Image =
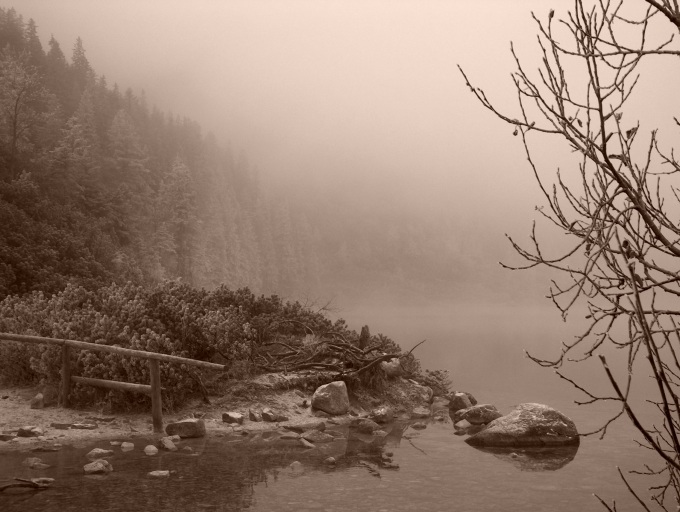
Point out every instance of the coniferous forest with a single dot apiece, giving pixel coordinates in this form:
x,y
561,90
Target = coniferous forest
x,y
96,186
99,186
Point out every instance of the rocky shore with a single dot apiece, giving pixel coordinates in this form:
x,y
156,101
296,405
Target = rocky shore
x,y
261,405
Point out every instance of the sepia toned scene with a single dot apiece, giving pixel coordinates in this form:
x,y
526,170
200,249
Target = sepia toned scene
x,y
339,255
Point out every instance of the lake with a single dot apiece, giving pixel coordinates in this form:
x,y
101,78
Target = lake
x,y
437,470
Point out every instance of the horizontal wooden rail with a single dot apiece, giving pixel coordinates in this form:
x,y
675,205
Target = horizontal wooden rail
x,y
83,345
114,384
153,389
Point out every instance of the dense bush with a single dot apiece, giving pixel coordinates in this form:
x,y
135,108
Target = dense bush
x,y
223,326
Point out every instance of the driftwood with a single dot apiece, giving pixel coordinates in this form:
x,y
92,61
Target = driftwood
x,y
329,352
38,484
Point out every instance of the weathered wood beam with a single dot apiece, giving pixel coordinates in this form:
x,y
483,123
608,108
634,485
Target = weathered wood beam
x,y
156,400
65,375
114,384
82,345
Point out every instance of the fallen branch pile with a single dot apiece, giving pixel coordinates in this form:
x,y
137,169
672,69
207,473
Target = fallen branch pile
x,y
329,352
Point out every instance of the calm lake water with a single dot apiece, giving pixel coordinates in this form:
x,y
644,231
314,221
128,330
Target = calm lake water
x,y
437,470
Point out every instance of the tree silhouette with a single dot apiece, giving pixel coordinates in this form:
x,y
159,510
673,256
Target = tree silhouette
x,y
617,206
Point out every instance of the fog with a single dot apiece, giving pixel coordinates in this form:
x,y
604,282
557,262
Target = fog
x,y
361,99
367,90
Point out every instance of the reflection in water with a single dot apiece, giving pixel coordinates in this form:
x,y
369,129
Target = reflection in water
x,y
217,474
535,459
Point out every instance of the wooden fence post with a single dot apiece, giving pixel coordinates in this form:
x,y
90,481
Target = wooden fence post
x,y
65,375
156,400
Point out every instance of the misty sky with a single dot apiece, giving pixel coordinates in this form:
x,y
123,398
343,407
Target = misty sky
x,y
363,93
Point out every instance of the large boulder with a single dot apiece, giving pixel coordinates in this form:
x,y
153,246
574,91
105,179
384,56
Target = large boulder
x,y
331,398
477,414
191,427
528,425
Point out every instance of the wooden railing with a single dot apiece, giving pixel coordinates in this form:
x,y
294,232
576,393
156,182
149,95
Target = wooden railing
x,y
153,388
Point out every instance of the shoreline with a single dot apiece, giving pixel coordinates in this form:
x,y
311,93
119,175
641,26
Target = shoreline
x,y
15,412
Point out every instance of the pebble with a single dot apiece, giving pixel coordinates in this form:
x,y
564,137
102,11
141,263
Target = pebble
x,y
151,450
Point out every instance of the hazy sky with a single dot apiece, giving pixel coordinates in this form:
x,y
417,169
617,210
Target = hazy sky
x,y
363,92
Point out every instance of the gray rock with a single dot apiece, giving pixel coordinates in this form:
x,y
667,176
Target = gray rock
x,y
150,450
233,417
165,443
290,435
420,413
30,431
99,453
272,416
331,398
528,425
477,414
254,415
268,415
97,467
464,427
7,437
364,425
306,443
458,401
330,461
191,427
126,447
419,425
35,463
382,414
314,436
159,473
38,401
296,467
300,393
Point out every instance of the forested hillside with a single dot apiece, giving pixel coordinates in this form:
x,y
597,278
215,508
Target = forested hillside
x,y
96,186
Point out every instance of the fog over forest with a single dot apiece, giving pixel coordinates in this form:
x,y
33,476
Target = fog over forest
x,y
355,115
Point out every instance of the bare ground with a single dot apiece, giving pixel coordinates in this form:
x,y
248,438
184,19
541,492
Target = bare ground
x,y
289,395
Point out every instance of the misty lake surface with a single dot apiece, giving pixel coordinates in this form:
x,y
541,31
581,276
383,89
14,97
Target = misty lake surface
x,y
437,470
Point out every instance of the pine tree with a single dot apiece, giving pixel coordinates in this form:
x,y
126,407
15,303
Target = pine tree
x,y
24,103
34,46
